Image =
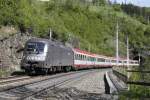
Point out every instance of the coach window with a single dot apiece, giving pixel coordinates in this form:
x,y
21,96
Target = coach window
x,y
75,56
87,58
82,57
92,59
104,60
78,57
101,60
113,61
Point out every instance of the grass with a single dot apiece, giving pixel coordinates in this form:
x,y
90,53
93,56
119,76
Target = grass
x,y
136,93
4,72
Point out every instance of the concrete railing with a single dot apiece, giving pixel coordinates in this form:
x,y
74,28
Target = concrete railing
x,y
109,86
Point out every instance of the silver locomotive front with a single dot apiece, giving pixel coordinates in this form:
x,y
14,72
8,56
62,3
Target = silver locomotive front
x,y
34,55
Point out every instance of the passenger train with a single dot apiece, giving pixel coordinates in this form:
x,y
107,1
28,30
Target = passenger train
x,y
45,56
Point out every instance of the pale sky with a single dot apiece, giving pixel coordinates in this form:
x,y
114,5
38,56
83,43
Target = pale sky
x,y
143,3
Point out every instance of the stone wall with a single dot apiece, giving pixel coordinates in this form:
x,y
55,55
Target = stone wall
x,y
11,49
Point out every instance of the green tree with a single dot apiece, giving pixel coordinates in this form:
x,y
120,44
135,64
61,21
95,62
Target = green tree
x,y
8,14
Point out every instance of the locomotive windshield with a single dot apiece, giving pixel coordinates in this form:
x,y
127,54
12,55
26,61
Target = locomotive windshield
x,y
35,47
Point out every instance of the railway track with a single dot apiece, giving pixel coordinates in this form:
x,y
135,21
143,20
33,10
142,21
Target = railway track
x,y
28,91
9,77
9,80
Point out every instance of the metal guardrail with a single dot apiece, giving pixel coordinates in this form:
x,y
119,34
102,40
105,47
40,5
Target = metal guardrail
x,y
121,76
125,79
139,83
138,71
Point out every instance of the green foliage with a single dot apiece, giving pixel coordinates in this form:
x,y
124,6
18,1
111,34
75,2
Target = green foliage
x,y
7,9
147,31
93,24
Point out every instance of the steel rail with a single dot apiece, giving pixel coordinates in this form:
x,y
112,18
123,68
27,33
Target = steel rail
x,y
14,79
45,78
52,86
9,77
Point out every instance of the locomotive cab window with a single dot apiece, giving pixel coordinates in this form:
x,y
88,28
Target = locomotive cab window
x,y
35,47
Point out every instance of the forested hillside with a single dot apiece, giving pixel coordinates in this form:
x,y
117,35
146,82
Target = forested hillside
x,y
140,13
91,25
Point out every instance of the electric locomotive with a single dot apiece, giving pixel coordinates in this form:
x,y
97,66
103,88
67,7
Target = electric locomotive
x,y
42,55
